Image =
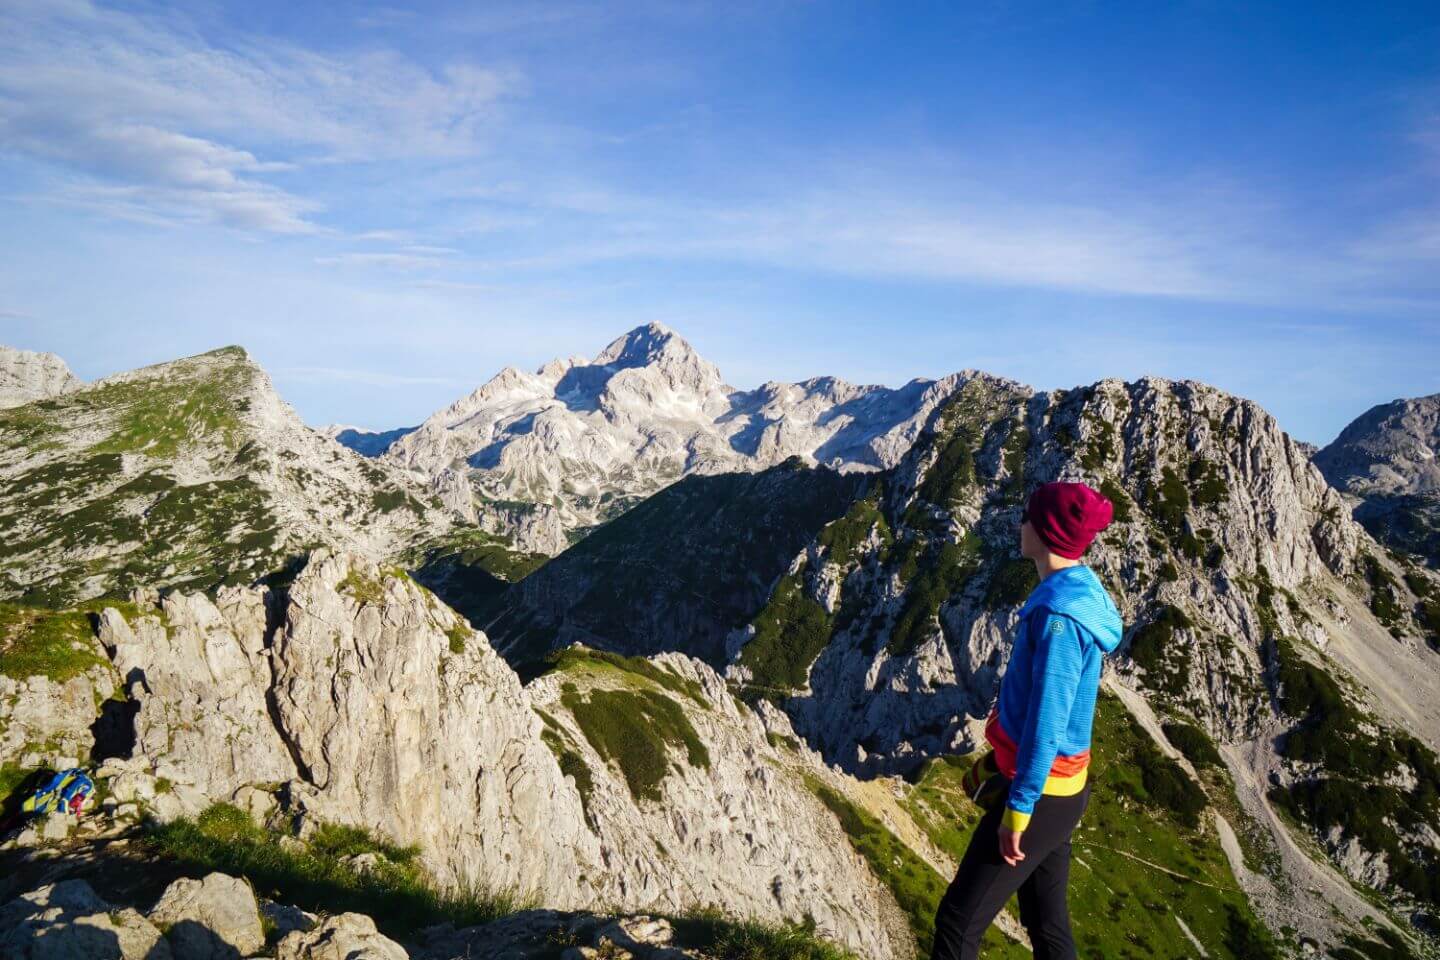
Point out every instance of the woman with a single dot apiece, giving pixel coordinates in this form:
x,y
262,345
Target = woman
x,y
1039,730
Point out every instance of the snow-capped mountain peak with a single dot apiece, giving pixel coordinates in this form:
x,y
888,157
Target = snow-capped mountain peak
x,y
580,440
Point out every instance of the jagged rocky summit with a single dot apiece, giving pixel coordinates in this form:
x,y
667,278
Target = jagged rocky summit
x,y
1388,461
544,456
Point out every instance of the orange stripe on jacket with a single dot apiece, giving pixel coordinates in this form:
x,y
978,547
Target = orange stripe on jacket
x,y
1006,751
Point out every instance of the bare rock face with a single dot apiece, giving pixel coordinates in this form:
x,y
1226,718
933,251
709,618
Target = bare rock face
x,y
730,818
401,718
1213,499
67,921
1388,459
58,714
200,672
26,376
211,919
349,936
1392,448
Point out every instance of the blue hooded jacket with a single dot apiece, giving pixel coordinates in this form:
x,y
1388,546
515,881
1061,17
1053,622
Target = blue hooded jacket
x,y
1047,696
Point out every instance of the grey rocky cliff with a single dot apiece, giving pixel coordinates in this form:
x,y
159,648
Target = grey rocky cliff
x,y
1266,507
375,705
1227,540
1392,448
26,376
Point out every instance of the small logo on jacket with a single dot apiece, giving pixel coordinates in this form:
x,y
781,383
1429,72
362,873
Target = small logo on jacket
x,y
1056,626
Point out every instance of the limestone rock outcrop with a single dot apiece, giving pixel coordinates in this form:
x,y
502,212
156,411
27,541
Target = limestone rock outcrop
x,y
214,918
349,936
26,376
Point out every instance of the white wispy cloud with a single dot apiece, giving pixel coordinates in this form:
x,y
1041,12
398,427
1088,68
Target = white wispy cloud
x,y
187,129
410,257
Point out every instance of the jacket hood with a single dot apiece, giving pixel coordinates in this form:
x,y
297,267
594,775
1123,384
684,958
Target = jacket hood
x,y
1077,593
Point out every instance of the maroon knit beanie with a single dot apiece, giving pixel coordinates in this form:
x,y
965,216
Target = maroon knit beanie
x,y
1067,516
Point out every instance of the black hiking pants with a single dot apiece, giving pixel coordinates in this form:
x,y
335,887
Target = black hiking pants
x,y
984,882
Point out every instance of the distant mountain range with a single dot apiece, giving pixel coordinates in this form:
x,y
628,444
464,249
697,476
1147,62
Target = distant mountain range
x,y
577,442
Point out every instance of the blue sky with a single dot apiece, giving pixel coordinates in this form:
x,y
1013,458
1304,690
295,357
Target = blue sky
x,y
387,204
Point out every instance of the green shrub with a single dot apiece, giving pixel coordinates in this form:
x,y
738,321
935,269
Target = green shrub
x,y
1011,583
1384,593
571,763
1306,691
635,729
1166,786
576,656
457,635
843,537
780,740
362,588
790,633
1101,448
1389,947
1168,501
1360,809
1247,939
1210,487
916,886
729,938
1193,742
954,469
935,583
39,642
1016,445
1154,648
1118,498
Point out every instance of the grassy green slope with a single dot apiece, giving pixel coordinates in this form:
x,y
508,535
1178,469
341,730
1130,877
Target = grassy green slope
x,y
689,564
176,475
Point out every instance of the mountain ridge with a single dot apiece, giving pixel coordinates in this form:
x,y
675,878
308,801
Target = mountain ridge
x,y
188,471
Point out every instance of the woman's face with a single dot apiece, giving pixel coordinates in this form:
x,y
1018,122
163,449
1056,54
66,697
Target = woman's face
x,y
1029,541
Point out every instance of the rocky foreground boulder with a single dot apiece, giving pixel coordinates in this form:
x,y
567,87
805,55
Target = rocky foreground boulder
x,y
67,921
218,918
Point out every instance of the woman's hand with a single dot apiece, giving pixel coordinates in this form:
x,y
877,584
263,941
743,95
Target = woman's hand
x,y
1010,846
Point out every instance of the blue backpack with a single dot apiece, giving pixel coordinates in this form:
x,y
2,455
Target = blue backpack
x,y
66,792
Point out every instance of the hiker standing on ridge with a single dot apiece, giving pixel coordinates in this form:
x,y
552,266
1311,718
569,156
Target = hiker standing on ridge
x,y
1033,781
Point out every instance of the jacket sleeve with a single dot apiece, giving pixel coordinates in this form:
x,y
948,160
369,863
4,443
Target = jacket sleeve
x,y
1057,660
